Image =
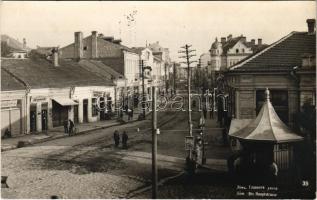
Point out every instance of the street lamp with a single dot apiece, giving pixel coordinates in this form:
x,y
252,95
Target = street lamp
x,y
143,96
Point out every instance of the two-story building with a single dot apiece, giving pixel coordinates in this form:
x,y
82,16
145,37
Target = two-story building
x,y
230,50
111,53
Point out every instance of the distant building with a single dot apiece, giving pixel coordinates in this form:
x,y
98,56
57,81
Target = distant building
x,y
163,54
204,59
12,48
229,51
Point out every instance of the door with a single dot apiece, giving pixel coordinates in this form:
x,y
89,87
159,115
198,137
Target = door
x,y
85,110
33,121
44,120
76,114
5,121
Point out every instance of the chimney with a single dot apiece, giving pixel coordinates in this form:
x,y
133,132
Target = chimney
x,y
24,43
253,42
109,38
260,41
117,41
229,37
94,44
223,40
243,38
78,50
55,56
311,23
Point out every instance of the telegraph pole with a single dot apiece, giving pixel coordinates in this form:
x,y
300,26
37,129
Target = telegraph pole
x,y
154,145
187,56
143,98
174,76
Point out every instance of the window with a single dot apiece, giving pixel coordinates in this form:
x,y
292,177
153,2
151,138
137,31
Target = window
x,y
237,50
242,50
85,48
279,100
94,107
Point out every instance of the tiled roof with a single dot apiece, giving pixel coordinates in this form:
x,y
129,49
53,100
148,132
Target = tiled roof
x,y
138,50
281,55
100,69
229,44
41,73
8,82
116,63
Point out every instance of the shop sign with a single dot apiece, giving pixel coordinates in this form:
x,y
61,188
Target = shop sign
x,y
38,99
10,103
98,94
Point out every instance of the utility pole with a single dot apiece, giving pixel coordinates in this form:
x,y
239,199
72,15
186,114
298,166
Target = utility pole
x,y
154,145
143,96
143,87
187,56
174,77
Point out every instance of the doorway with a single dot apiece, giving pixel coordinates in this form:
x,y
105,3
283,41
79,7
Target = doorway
x,y
85,110
44,120
33,118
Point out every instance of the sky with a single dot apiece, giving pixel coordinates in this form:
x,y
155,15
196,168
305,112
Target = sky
x,y
173,24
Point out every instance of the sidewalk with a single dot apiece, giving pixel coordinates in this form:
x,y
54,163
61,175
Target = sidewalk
x,y
58,132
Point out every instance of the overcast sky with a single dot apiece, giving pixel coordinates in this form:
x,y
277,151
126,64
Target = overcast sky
x,y
173,24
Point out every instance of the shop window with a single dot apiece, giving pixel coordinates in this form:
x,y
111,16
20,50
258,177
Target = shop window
x,y
94,107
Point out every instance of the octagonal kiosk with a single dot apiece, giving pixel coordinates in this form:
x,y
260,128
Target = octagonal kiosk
x,y
262,146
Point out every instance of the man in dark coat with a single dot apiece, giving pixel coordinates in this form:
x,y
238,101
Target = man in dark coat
x,y
125,139
116,138
65,126
71,126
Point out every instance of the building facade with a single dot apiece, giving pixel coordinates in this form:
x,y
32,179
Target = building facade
x,y
230,50
287,68
57,90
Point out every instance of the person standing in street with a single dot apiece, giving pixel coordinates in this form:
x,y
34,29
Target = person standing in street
x,y
71,126
125,140
65,126
116,138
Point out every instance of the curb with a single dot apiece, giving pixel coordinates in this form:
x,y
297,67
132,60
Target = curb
x,y
64,136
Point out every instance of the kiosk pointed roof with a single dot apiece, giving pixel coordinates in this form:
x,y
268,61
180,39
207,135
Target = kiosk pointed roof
x,y
267,127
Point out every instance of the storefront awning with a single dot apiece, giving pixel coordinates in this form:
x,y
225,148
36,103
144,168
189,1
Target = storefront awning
x,y
65,101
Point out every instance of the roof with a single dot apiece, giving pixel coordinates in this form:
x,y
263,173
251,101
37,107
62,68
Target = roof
x,y
100,69
8,82
267,127
284,54
138,50
41,73
44,50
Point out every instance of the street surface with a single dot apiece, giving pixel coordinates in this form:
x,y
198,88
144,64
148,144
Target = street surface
x,y
89,166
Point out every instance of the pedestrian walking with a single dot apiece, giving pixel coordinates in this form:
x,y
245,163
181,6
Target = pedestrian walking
x,y
71,126
116,138
124,140
65,126
129,114
205,112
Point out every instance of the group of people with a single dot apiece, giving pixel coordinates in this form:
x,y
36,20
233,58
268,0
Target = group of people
x,y
124,136
69,126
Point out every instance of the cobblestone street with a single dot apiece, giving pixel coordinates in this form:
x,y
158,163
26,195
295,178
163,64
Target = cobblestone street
x,y
88,166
